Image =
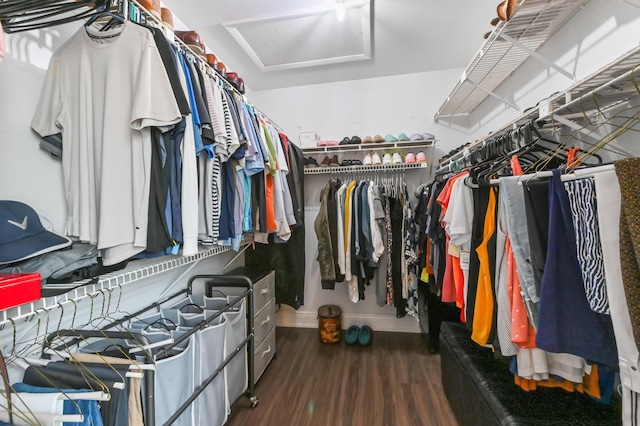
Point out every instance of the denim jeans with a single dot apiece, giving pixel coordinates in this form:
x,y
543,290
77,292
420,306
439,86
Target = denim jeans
x,y
519,236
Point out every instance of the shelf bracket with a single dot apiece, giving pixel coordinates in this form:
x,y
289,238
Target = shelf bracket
x,y
538,56
498,97
575,126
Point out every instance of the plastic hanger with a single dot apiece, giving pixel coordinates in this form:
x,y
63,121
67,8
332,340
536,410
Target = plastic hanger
x,y
114,19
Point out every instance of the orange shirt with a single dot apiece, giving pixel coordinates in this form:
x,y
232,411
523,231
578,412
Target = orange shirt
x,y
483,312
448,285
445,194
458,281
515,166
590,384
272,226
453,282
522,333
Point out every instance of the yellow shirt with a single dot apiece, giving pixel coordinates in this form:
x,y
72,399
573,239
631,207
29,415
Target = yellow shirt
x,y
347,216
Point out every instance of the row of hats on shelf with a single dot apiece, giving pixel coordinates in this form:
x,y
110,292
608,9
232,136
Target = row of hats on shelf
x,y
192,39
369,159
402,137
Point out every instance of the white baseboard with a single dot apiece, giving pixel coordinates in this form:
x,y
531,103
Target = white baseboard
x,y
377,322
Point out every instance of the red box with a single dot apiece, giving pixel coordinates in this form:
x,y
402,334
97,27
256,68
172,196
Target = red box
x,y
16,289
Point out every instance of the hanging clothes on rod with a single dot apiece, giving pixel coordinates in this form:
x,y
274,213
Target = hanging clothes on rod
x,y
536,285
210,169
366,235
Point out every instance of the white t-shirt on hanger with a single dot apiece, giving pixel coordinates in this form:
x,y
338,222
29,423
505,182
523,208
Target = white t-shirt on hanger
x,y
104,95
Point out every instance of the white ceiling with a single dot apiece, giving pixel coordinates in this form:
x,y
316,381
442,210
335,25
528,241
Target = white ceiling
x,y
284,43
311,38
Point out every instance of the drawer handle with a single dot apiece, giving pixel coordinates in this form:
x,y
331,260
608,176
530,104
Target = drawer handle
x,y
266,321
267,351
264,291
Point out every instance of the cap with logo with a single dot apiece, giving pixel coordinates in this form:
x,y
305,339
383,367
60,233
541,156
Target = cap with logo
x,y
22,235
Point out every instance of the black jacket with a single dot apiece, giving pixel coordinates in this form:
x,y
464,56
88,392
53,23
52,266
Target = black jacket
x,y
288,259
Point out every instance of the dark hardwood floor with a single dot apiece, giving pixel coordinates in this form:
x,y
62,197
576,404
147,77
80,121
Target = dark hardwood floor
x,y
394,382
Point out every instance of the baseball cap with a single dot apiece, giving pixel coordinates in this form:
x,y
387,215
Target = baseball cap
x,y
22,235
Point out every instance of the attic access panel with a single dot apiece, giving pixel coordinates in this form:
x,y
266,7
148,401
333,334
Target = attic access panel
x,y
306,38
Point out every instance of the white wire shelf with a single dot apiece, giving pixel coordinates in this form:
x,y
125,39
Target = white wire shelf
x,y
613,84
366,169
140,269
508,46
371,146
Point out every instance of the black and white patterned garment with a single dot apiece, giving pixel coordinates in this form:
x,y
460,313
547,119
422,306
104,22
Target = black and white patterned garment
x,y
582,198
411,257
216,176
389,248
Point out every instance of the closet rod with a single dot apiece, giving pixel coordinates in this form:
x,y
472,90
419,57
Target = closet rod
x,y
148,16
565,177
628,76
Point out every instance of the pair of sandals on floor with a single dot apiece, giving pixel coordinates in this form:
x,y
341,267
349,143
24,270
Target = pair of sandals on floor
x,y
358,335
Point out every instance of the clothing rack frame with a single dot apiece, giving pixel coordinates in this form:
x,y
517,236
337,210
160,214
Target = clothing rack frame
x,y
228,280
149,375
612,85
238,281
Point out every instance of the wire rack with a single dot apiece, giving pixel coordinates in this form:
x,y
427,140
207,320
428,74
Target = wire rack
x,y
371,146
369,169
611,85
140,269
533,22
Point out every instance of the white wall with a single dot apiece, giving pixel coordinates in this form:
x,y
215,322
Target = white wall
x,y
402,103
362,107
602,31
27,173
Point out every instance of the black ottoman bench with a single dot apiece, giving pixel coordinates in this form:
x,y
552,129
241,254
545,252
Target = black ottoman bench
x,y
481,391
